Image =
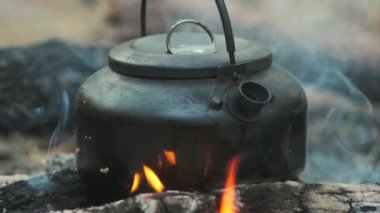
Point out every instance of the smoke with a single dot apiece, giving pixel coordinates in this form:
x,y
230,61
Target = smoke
x,y
332,47
317,41
62,120
322,43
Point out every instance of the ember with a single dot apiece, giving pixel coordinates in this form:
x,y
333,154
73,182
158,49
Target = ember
x,y
170,157
228,201
207,165
159,162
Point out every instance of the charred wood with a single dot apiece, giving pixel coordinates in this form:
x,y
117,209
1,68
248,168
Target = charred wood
x,y
64,190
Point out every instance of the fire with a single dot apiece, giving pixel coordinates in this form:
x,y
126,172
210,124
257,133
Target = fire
x,y
153,179
170,157
228,201
150,176
136,182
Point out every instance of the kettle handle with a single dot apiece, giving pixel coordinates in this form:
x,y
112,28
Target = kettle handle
x,y
226,23
185,21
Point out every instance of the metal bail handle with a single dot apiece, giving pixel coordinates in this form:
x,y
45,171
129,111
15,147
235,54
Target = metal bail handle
x,y
226,23
186,50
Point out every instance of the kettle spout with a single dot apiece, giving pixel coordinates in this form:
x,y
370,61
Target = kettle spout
x,y
246,101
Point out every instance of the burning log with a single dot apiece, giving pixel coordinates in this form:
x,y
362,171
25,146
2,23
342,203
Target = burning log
x,y
63,190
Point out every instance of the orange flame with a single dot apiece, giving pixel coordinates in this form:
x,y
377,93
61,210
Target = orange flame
x,y
153,179
170,156
136,182
228,201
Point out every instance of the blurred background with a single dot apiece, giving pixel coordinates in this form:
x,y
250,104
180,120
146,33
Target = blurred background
x,y
48,47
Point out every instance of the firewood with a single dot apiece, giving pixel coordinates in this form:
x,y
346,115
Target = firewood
x,y
265,197
64,190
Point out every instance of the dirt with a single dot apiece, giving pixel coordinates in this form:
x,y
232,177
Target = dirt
x,y
22,154
26,22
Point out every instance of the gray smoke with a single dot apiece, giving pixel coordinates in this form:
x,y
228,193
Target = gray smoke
x,y
342,133
62,120
322,43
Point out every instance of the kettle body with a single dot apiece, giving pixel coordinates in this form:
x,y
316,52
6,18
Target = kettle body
x,y
198,107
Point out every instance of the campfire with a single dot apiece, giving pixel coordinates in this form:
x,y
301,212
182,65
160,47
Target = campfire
x,y
228,203
211,106
150,176
251,117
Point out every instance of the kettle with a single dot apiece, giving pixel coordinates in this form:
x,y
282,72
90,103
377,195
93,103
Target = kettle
x,y
202,99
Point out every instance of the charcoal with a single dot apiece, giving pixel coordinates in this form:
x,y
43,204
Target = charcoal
x,y
36,81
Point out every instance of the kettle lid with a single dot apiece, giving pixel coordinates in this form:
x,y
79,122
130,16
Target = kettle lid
x,y
150,57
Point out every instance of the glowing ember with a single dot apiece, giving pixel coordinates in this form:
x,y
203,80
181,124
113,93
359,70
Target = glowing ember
x,y
170,156
159,162
153,179
207,165
136,182
228,201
